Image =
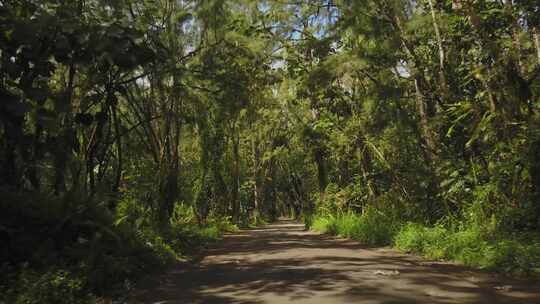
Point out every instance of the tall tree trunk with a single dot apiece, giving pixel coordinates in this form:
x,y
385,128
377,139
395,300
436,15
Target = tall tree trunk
x,y
424,108
171,129
256,180
270,191
118,138
10,171
536,37
236,178
322,174
427,132
301,202
169,190
442,77
62,149
169,166
365,161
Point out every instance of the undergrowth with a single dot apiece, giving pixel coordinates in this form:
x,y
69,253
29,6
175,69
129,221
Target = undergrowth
x,y
73,250
472,246
372,227
484,245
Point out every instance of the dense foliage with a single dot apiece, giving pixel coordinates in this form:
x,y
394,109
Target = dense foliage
x,y
134,131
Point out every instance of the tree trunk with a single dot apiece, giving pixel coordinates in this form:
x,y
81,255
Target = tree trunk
x,y
62,149
424,108
428,135
236,179
10,174
269,192
365,161
321,169
256,180
169,192
536,35
442,77
256,199
534,168
169,167
119,165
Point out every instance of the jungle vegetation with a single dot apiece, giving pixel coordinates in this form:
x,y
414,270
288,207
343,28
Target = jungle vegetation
x,y
133,132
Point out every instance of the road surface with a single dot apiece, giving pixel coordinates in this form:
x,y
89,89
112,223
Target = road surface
x,y
282,263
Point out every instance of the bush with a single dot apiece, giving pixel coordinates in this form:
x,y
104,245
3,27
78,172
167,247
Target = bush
x,y
53,286
411,238
477,244
325,224
84,248
471,246
373,227
222,224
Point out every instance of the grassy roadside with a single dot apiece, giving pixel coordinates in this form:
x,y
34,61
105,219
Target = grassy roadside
x,y
478,246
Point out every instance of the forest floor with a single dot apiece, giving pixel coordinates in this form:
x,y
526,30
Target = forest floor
x,y
282,263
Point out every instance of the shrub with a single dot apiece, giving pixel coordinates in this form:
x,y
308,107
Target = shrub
x,y
325,224
470,245
53,286
373,227
476,244
83,247
411,238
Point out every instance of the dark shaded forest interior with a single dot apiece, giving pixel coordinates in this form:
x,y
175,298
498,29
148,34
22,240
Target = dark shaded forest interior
x,y
134,134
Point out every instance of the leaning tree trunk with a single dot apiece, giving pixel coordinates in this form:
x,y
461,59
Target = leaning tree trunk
x,y
424,105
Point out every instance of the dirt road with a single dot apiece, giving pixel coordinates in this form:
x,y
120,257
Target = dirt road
x,y
282,263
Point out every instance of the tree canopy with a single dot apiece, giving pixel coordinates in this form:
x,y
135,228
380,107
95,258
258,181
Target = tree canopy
x,y
123,116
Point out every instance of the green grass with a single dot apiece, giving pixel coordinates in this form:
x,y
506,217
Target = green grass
x,y
325,224
468,244
372,227
472,246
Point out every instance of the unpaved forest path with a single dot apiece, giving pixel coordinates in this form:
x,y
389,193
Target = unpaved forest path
x,y
282,263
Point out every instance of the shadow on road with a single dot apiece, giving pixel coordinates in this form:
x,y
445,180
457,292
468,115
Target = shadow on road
x,y
282,263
